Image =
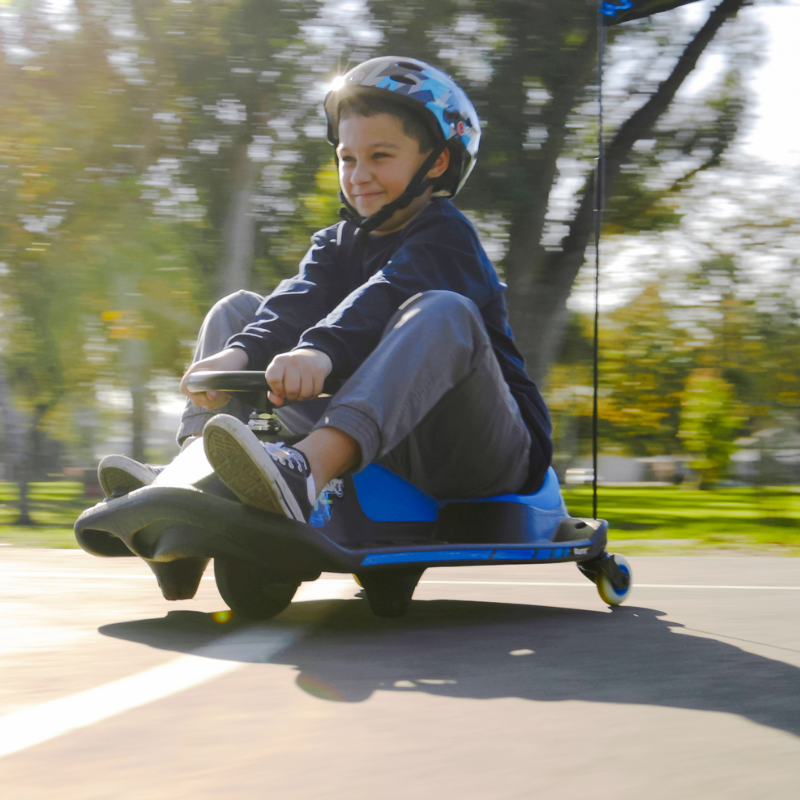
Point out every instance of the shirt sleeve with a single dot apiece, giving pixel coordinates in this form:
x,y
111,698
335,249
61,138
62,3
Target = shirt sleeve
x,y
434,258
296,304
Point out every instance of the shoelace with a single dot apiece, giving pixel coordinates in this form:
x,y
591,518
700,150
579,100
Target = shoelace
x,y
287,456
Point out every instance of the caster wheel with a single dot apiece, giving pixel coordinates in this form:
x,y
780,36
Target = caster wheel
x,y
248,592
614,585
389,592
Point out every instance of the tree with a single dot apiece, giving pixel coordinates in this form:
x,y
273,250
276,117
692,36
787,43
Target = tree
x,y
70,220
552,56
718,299
644,365
710,421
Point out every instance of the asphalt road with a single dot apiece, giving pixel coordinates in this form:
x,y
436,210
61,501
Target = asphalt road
x,y
504,682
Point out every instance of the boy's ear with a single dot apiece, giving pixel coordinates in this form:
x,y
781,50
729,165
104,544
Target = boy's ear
x,y
440,165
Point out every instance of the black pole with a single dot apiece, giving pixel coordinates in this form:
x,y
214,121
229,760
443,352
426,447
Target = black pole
x,y
598,209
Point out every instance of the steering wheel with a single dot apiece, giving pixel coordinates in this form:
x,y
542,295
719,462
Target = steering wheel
x,y
251,381
227,381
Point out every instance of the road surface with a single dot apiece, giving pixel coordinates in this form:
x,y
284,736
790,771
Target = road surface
x,y
504,682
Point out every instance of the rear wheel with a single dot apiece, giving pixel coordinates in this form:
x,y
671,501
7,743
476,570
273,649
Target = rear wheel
x,y
614,585
248,592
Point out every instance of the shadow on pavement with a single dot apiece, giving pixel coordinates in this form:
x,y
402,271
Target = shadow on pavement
x,y
494,650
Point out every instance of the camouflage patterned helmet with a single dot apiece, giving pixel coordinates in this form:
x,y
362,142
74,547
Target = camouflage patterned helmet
x,y
425,89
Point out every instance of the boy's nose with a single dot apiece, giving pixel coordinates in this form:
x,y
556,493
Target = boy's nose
x,y
361,173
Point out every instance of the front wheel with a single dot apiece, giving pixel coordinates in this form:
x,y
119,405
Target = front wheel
x,y
248,593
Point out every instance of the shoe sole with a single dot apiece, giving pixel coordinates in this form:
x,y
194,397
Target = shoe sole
x,y
245,468
119,475
117,480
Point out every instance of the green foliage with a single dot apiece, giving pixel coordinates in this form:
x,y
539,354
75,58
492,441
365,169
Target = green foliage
x,y
644,363
710,421
698,358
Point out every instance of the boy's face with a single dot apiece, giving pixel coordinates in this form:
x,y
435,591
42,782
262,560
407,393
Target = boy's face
x,y
376,162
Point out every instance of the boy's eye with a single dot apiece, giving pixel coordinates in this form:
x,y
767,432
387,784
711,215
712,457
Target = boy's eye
x,y
380,155
347,159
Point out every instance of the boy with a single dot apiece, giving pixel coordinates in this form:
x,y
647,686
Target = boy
x,y
397,312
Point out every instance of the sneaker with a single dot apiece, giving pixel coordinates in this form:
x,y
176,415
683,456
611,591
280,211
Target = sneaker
x,y
267,475
119,475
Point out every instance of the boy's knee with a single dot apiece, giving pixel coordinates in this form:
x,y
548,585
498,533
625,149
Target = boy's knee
x,y
440,302
241,303
443,316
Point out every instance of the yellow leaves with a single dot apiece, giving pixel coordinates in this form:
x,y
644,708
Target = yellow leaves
x,y
643,414
327,178
574,38
126,325
322,203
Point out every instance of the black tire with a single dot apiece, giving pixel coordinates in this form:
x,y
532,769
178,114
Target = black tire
x,y
389,592
250,594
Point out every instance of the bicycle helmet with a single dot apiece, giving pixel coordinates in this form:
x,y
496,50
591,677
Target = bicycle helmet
x,y
439,102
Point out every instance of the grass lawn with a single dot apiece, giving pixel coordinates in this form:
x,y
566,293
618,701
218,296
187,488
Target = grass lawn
x,y
669,519
644,520
54,505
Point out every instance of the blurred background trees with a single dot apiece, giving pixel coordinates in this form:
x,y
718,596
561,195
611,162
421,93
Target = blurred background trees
x,y
157,154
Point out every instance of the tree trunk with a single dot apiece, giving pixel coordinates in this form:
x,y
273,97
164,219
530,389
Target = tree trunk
x,y
15,449
240,224
138,371
540,282
535,289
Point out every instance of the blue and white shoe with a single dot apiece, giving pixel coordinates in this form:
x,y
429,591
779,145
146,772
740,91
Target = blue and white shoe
x,y
267,475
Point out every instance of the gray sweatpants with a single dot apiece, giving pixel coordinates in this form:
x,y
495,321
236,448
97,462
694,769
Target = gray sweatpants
x,y
226,318
429,402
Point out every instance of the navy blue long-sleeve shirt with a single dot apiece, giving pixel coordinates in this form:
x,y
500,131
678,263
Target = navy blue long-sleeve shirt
x,y
344,295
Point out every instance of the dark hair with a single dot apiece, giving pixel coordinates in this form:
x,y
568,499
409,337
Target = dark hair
x,y
414,124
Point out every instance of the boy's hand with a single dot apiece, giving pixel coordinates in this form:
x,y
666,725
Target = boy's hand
x,y
298,375
232,359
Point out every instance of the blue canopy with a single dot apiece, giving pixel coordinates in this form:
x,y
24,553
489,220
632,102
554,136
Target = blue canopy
x,y
616,11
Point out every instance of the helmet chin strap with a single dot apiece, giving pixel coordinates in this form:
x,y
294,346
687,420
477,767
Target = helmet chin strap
x,y
416,186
